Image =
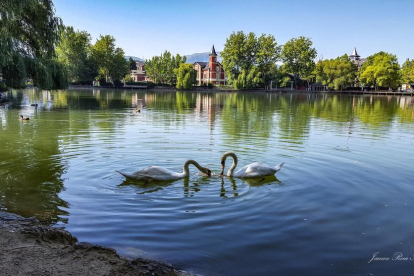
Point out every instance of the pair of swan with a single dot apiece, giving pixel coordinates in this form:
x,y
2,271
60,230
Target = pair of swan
x,y
151,173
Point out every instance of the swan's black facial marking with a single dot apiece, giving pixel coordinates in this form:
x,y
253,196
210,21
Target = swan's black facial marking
x,y
209,173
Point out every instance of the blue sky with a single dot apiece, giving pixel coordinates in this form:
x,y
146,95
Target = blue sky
x,y
145,28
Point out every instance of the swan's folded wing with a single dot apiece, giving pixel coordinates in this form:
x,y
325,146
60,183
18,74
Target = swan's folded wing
x,y
258,170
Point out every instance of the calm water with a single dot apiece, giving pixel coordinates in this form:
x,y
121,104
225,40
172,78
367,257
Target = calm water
x,y
345,192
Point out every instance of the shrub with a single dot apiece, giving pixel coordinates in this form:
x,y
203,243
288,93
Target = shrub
x,y
118,83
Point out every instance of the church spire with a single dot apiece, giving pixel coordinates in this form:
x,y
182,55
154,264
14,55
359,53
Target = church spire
x,y
213,51
355,54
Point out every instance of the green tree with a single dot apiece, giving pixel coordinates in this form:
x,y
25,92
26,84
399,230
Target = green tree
x,y
186,76
407,72
73,50
109,59
249,79
29,33
268,53
298,56
250,61
132,64
239,54
336,73
381,69
164,68
281,77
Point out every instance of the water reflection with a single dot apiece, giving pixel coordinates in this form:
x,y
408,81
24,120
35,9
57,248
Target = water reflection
x,y
68,125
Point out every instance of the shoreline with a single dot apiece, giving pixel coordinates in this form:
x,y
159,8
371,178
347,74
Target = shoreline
x,y
215,90
30,248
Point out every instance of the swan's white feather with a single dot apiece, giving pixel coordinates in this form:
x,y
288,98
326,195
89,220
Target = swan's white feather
x,y
154,173
257,170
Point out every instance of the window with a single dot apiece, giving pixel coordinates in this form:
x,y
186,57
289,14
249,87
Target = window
x,y
218,69
204,75
218,76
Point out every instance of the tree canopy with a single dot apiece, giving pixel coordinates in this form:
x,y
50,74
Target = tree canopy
x,y
336,73
186,76
381,69
28,36
407,72
109,59
164,68
250,61
73,50
298,56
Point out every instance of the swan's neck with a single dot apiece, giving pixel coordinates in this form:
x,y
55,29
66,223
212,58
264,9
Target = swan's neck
x,y
186,170
233,166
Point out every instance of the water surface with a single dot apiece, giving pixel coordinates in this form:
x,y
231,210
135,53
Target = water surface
x,y
345,192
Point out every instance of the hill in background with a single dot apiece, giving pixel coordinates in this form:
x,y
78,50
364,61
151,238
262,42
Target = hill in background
x,y
201,57
134,58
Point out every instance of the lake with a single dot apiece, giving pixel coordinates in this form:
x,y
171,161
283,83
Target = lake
x,y
345,192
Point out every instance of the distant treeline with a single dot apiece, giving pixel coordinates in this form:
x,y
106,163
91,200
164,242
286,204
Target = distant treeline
x,y
41,50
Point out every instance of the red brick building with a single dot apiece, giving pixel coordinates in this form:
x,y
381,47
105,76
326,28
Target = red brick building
x,y
139,74
211,71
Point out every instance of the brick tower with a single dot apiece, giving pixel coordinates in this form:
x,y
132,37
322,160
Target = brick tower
x,y
212,63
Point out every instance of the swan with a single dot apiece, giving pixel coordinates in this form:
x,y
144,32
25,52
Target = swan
x,y
251,170
161,174
24,118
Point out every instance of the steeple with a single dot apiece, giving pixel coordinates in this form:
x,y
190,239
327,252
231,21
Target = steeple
x,y
213,51
355,55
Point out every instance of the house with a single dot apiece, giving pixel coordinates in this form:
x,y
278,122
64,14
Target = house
x,y
139,74
211,71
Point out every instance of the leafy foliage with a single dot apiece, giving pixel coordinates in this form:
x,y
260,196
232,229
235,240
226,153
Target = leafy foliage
x,y
336,73
164,68
407,72
250,61
28,36
73,50
298,56
381,69
132,64
109,59
186,76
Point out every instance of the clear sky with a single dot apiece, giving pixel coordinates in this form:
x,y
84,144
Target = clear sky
x,y
144,28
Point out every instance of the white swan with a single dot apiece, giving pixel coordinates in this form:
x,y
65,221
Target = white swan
x,y
251,170
161,174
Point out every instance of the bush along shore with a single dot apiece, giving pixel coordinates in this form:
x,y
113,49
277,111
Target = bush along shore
x,y
30,248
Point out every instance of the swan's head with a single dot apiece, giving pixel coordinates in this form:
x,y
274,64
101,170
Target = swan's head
x,y
223,165
206,171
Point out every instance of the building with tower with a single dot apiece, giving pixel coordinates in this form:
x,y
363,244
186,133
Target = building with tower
x,y
355,58
211,71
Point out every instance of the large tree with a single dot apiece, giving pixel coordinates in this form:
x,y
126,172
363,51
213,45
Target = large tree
x,y
28,36
336,73
186,76
109,59
164,68
381,69
298,56
407,72
73,50
248,60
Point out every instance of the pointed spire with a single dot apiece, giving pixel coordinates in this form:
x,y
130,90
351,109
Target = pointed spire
x,y
213,51
355,54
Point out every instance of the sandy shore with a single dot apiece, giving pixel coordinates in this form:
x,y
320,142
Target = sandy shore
x,y
29,248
